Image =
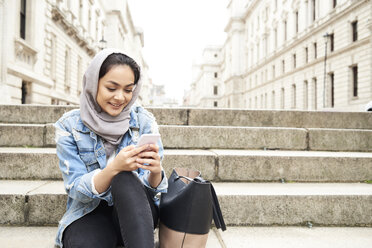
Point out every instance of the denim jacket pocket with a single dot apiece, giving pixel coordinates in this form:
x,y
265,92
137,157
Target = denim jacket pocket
x,y
89,160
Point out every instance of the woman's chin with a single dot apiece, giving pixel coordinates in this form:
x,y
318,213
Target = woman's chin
x,y
114,111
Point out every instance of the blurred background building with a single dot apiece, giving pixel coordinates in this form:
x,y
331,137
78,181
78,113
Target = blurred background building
x,y
46,46
290,54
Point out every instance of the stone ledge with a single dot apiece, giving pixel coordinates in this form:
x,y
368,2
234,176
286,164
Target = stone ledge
x,y
215,165
207,117
241,203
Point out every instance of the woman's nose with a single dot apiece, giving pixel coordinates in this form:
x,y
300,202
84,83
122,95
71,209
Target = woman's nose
x,y
119,96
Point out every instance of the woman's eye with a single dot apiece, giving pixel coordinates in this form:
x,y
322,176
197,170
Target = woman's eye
x,y
111,89
128,91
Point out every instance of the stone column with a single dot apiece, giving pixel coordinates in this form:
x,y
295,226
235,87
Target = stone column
x,y
4,94
2,21
370,45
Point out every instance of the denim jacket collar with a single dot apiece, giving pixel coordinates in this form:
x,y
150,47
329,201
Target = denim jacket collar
x,y
133,125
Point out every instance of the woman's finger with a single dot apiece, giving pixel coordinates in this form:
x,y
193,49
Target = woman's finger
x,y
153,155
145,161
150,168
154,148
137,150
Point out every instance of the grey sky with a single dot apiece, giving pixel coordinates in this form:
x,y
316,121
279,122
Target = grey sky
x,y
176,32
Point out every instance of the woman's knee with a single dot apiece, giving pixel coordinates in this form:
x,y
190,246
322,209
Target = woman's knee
x,y
81,239
95,229
124,177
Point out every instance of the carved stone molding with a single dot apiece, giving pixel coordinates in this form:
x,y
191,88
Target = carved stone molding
x,y
24,53
67,21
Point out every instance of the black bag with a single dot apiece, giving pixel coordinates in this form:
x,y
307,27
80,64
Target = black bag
x,y
187,209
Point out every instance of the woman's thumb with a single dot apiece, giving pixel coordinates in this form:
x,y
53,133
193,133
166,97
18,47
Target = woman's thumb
x,y
128,148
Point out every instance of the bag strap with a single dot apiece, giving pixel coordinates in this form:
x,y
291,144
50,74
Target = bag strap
x,y
217,214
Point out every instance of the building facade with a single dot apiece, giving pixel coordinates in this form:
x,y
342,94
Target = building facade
x,y
47,45
207,84
297,54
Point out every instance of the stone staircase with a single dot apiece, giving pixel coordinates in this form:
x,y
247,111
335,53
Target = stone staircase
x,y
283,178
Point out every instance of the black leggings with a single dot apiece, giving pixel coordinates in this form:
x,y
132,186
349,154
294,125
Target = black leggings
x,y
130,222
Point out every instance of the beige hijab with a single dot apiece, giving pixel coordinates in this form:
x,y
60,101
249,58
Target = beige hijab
x,y
108,127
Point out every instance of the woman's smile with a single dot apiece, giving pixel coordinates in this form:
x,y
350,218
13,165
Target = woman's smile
x,y
115,89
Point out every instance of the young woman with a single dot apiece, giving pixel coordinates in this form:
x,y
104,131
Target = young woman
x,y
112,185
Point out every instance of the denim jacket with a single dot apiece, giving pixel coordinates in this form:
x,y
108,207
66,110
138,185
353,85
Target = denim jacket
x,y
81,152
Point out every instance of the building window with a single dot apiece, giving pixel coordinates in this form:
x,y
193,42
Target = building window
x,y
215,90
265,101
282,99
285,30
273,71
355,80
296,16
293,96
315,50
53,59
276,38
332,89
261,102
97,26
334,3
354,27
313,14
332,42
255,80
294,61
81,9
265,75
79,76
306,55
306,94
283,66
315,99
25,98
215,75
255,102
273,99
266,45
215,103
67,70
23,19
90,19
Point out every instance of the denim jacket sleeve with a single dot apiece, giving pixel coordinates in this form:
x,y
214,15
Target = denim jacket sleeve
x,y
76,178
149,125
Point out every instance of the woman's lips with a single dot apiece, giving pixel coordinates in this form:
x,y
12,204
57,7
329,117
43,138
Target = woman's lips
x,y
116,106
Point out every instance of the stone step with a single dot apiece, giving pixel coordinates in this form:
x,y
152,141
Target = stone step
x,y
207,117
323,204
297,237
36,236
203,137
215,165
233,237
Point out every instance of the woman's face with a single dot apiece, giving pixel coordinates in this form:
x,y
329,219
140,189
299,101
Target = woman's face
x,y
115,89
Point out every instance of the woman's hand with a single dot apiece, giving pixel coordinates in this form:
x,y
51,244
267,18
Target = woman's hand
x,y
150,157
125,160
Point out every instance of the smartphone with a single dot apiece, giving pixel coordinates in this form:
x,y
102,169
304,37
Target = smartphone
x,y
148,138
